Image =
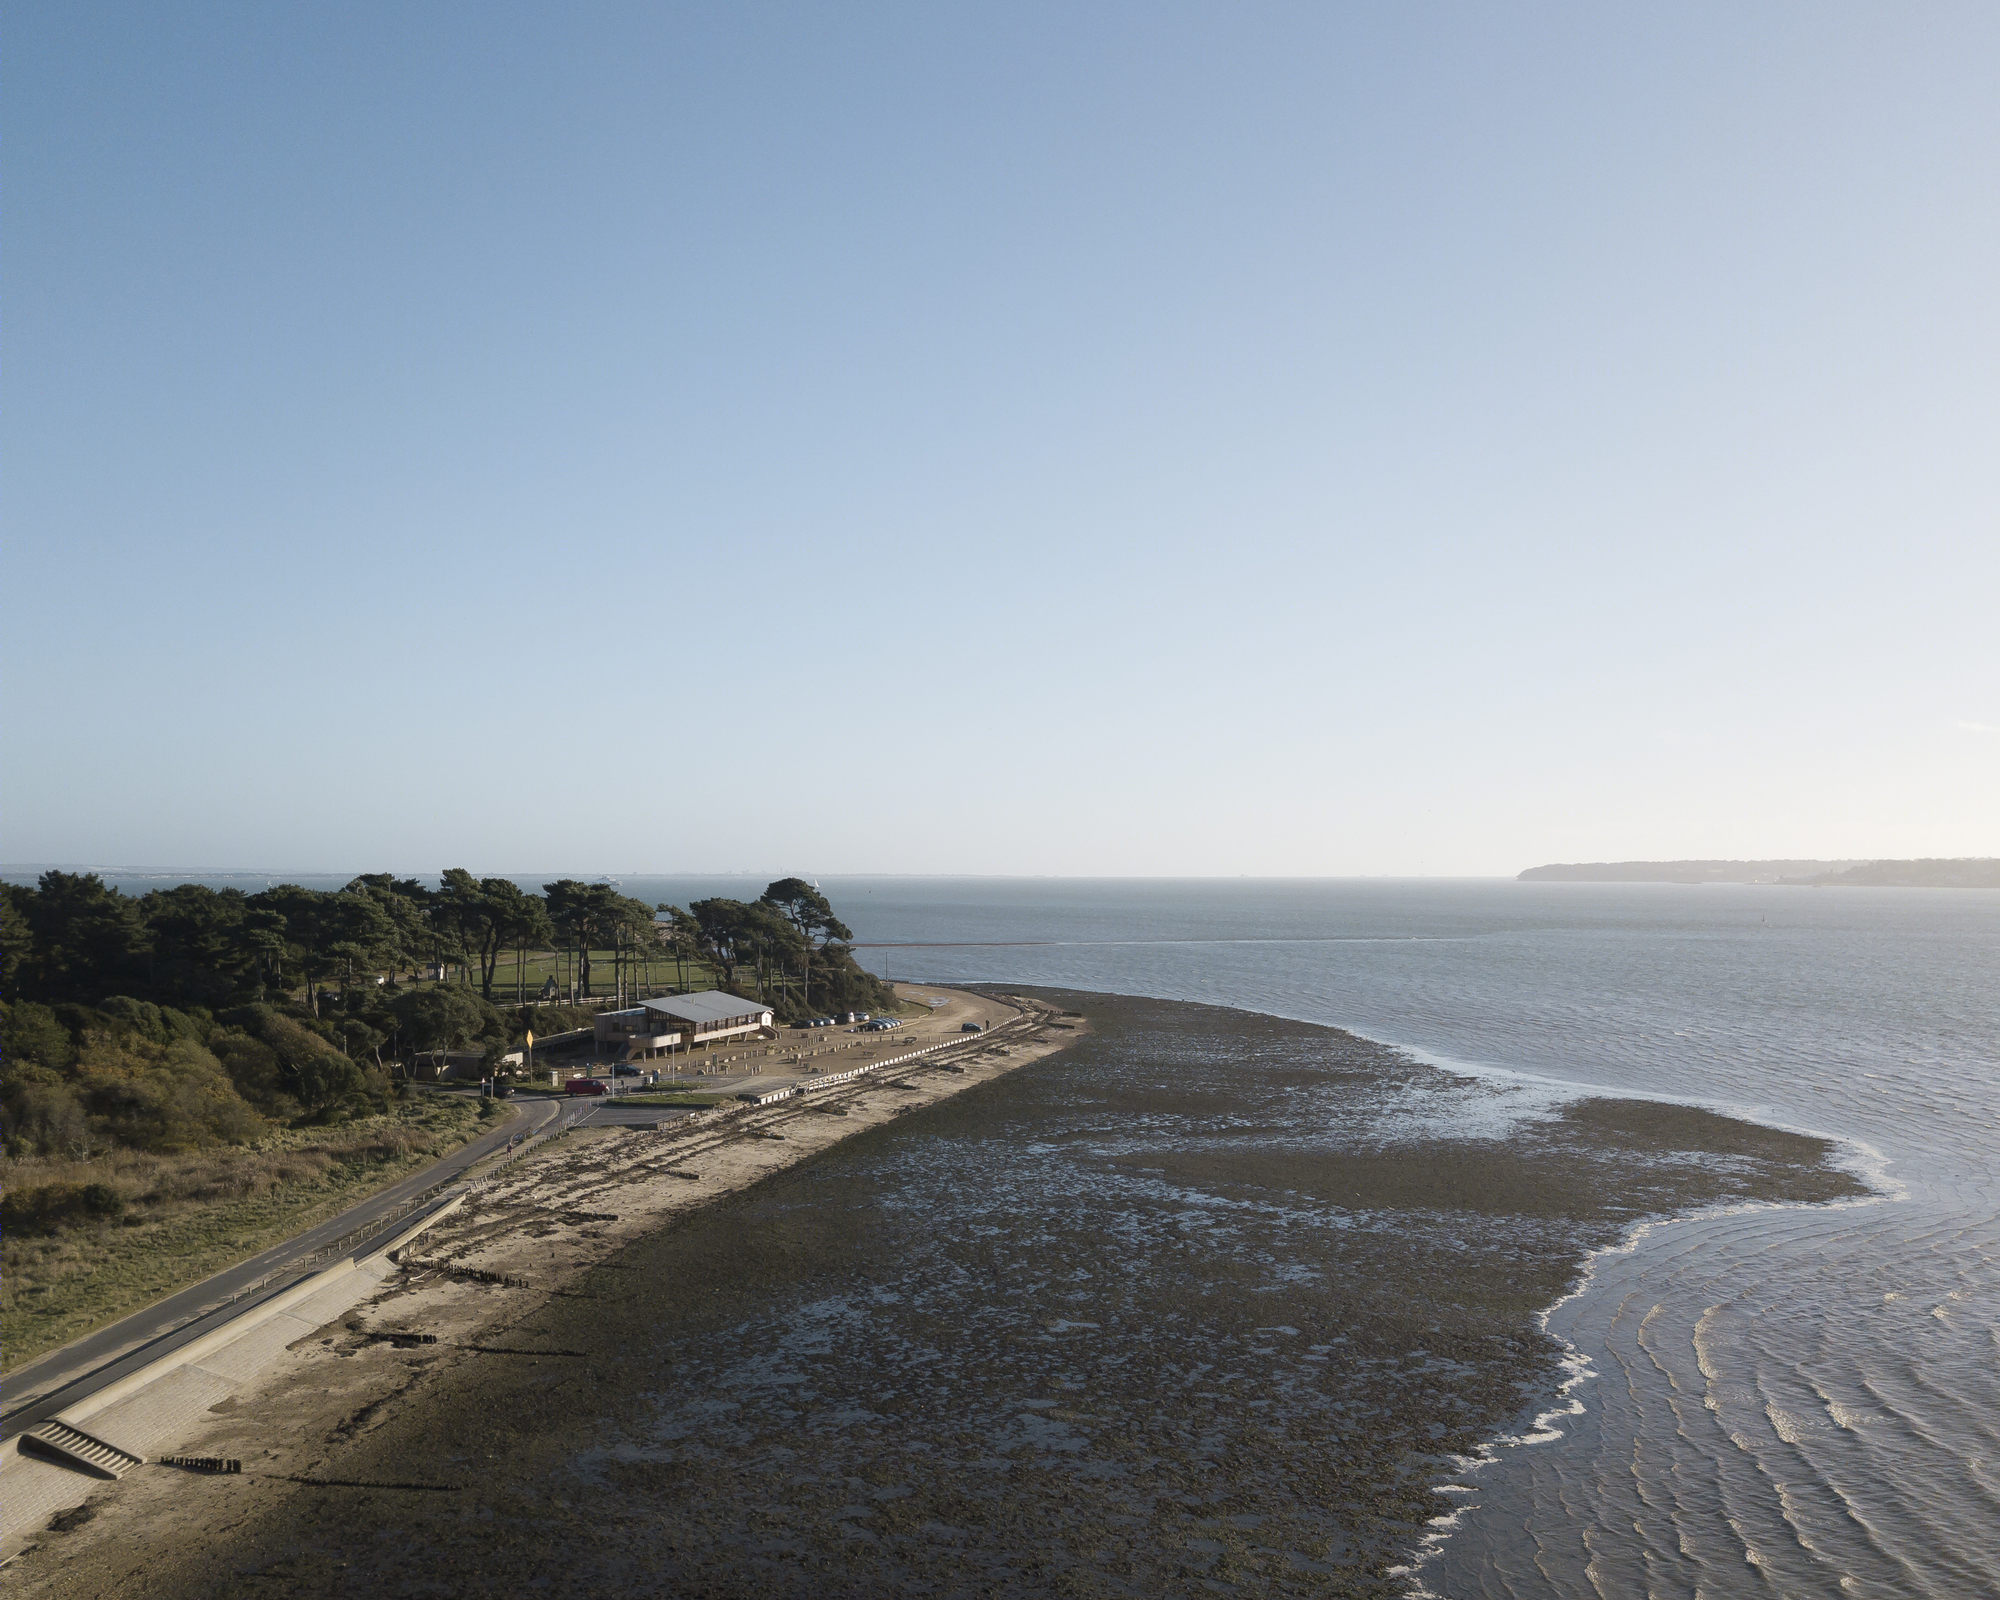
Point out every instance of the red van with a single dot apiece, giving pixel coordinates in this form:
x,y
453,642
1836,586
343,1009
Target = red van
x,y
585,1086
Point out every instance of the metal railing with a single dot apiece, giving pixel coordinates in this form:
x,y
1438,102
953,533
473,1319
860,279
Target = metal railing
x,y
339,1247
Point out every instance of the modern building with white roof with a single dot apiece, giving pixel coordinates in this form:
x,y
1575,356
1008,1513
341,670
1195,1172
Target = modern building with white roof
x,y
681,1019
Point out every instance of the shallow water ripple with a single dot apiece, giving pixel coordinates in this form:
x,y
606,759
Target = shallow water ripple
x,y
1793,1403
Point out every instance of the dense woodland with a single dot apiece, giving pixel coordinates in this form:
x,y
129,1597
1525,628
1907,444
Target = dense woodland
x,y
191,1016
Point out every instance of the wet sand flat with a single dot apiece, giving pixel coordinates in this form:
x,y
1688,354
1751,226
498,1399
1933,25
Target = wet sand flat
x,y
1203,1303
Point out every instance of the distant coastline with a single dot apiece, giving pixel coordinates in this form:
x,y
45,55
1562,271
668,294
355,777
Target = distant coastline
x,y
1958,872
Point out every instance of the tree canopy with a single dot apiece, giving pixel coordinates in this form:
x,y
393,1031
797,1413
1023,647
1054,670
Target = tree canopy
x,y
190,1014
806,909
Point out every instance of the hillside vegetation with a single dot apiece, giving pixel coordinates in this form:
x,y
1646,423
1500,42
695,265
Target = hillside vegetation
x,y
1964,872
190,1017
91,1238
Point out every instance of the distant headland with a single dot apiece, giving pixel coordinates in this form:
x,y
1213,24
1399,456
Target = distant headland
x,y
1961,872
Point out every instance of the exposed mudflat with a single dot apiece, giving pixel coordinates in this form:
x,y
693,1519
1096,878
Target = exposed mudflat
x,y
1204,1303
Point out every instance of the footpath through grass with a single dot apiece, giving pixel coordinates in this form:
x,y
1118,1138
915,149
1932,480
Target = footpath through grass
x,y
188,1216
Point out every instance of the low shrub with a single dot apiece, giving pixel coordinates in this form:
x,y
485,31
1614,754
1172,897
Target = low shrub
x,y
47,1208
70,1262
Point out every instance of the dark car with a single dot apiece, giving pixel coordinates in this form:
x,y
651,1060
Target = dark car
x,y
626,1072
585,1086
970,1027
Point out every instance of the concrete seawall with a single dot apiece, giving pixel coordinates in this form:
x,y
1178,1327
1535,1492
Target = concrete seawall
x,y
147,1412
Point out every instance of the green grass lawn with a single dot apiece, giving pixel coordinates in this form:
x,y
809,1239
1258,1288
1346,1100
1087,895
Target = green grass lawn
x,y
542,965
188,1216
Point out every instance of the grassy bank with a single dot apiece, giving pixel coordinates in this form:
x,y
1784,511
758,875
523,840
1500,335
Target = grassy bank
x,y
515,981
186,1216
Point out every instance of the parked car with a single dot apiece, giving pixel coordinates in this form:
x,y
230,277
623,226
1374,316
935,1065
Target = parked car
x,y
585,1086
970,1027
623,1071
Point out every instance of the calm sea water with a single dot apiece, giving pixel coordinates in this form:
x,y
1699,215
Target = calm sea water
x,y
1772,1401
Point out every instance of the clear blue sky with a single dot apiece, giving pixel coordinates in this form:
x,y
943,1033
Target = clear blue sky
x,y
1110,439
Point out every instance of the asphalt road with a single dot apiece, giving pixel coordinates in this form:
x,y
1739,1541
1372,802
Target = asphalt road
x,y
53,1382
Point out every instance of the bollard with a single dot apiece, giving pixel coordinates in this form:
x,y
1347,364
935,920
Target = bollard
x,y
202,1463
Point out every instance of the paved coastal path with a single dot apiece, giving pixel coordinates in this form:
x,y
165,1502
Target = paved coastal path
x,y
66,1376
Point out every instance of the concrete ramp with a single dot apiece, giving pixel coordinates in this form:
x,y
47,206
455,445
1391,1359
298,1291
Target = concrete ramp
x,y
83,1452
